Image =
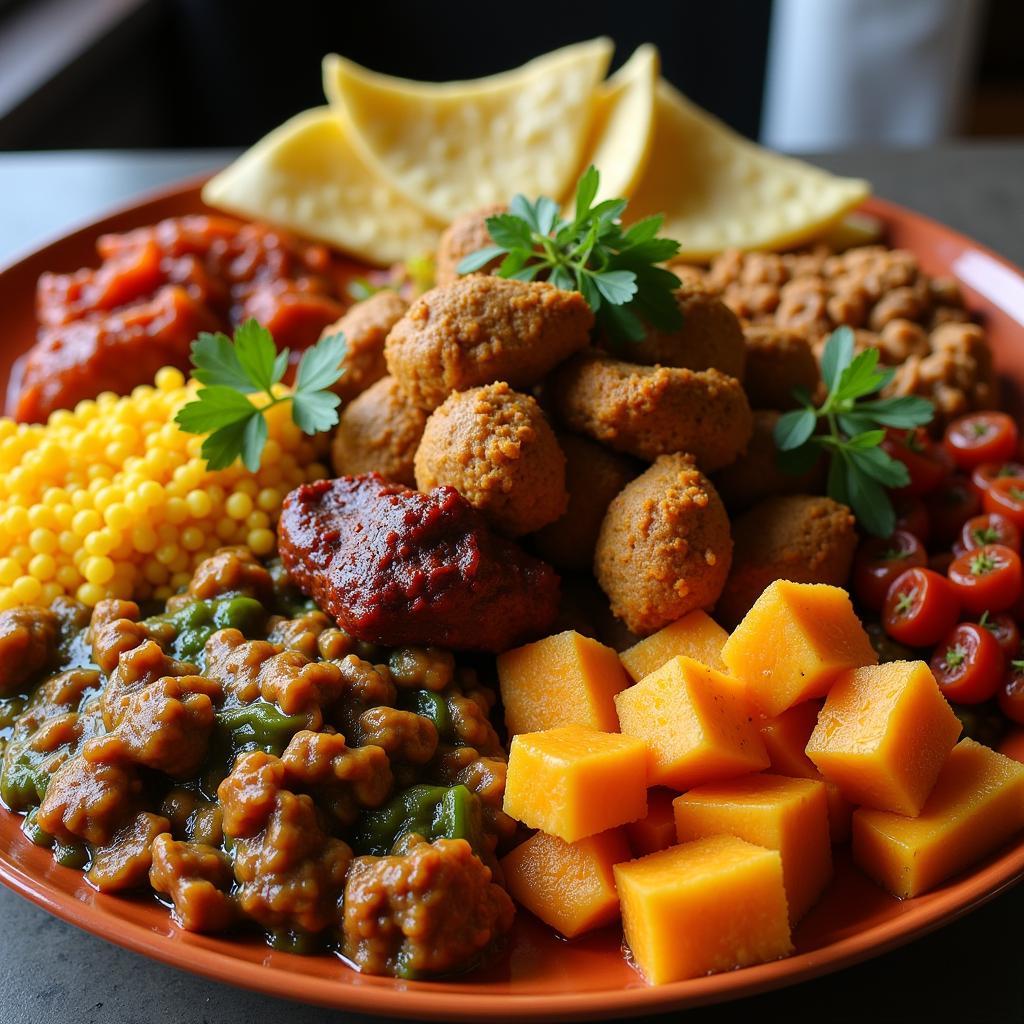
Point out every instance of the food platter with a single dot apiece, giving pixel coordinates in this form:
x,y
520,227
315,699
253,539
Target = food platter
x,y
536,974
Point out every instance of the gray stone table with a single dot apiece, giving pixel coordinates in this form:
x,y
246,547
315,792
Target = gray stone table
x,y
972,970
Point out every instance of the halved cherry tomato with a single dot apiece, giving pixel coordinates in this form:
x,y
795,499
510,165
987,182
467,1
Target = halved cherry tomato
x,y
926,462
1004,628
981,437
950,507
983,475
880,561
968,665
1011,693
912,516
1006,496
920,608
988,578
989,528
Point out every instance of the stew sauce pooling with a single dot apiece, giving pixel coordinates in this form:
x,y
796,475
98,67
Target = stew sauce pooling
x,y
255,766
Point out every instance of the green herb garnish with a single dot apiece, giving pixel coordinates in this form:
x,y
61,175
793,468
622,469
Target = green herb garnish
x,y
859,470
230,371
615,269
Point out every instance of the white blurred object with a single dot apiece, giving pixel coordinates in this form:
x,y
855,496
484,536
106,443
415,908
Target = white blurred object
x,y
877,72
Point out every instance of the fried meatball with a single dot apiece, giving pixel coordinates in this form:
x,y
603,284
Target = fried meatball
x,y
593,476
465,235
379,432
664,547
798,537
365,326
481,329
778,361
649,411
494,446
710,336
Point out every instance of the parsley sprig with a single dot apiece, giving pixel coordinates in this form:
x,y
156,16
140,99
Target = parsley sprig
x,y
614,268
251,365
859,471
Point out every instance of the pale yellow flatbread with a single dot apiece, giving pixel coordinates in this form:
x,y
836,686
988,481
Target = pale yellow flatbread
x,y
719,191
456,146
307,177
623,129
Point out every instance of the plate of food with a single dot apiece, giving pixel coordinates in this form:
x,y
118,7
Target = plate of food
x,y
511,549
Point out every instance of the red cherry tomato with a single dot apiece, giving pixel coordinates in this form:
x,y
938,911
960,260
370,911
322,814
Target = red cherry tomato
x,y
968,665
879,562
1006,496
1003,627
1011,693
981,437
988,528
988,578
920,608
983,475
912,516
925,461
950,507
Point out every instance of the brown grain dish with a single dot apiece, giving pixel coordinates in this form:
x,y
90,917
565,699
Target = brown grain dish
x,y
779,361
465,235
482,329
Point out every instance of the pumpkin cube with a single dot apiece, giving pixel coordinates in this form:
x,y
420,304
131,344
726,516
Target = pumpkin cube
x,y
695,722
794,642
696,636
566,679
884,734
573,782
569,886
784,814
976,805
703,907
656,831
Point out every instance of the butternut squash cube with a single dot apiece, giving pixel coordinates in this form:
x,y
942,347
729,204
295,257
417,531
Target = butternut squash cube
x,y
784,814
794,642
695,722
785,738
569,886
656,831
703,907
976,805
573,782
884,734
696,636
566,679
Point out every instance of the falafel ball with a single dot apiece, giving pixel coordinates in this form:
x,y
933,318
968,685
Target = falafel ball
x,y
480,329
664,547
778,362
593,476
379,432
494,446
710,336
365,326
798,537
649,411
466,234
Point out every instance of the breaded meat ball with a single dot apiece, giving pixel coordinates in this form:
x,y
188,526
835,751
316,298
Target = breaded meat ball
x,y
649,411
664,547
778,361
494,446
379,432
799,537
710,337
465,235
482,329
365,326
593,476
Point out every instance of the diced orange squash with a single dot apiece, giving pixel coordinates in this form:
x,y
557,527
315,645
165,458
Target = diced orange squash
x,y
695,722
703,907
573,782
784,814
569,886
794,642
785,738
884,734
657,831
696,636
565,679
976,805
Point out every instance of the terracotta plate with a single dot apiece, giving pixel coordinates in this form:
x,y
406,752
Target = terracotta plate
x,y
538,976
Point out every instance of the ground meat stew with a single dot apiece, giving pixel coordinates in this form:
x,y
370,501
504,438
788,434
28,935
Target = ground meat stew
x,y
255,766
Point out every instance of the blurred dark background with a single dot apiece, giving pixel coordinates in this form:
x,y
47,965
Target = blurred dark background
x,y
187,73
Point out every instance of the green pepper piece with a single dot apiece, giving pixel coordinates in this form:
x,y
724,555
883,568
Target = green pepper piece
x,y
259,725
295,941
245,614
31,827
429,704
23,780
434,812
71,855
459,816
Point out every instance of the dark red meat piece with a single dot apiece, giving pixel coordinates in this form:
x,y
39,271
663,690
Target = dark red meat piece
x,y
394,566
